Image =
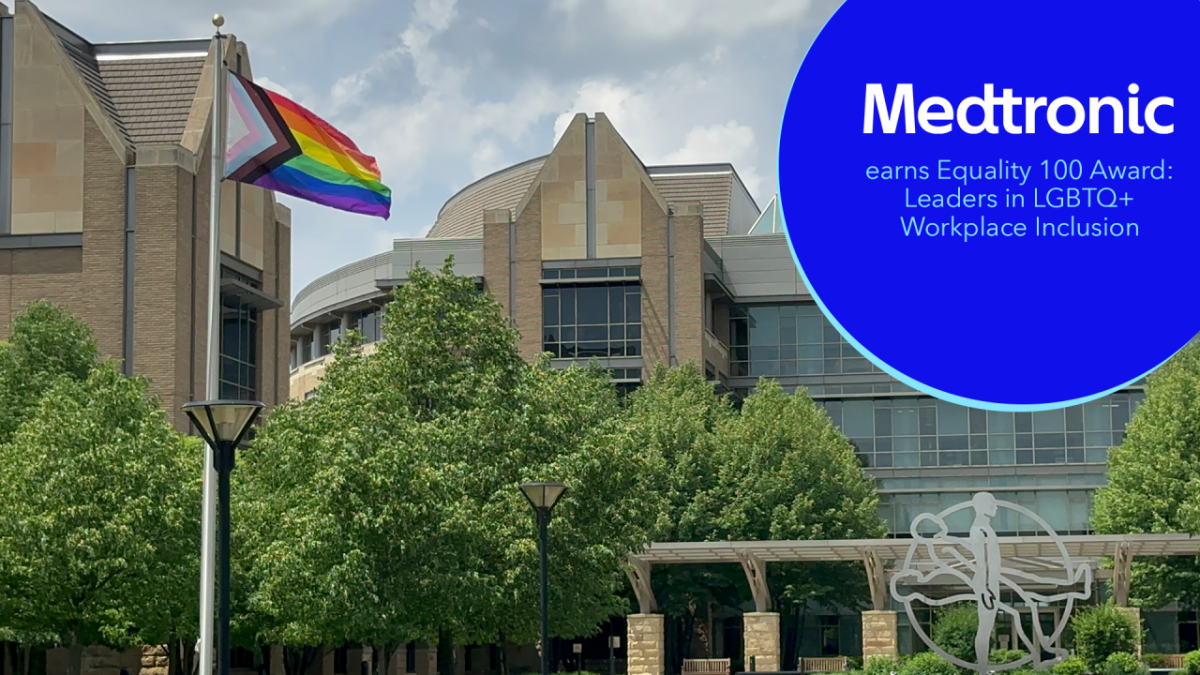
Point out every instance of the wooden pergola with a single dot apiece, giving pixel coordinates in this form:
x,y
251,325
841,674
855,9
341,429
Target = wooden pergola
x,y
1035,553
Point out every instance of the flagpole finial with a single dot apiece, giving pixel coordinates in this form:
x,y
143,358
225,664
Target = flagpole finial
x,y
218,20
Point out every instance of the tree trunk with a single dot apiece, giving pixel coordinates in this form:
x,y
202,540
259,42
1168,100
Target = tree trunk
x,y
5,656
383,657
689,630
503,654
445,652
712,639
187,657
173,655
37,661
25,660
75,662
789,633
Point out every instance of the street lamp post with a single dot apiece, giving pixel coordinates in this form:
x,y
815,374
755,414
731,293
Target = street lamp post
x,y
542,497
223,424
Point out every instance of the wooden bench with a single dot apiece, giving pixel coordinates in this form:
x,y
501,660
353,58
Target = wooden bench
x,y
1174,660
706,666
823,664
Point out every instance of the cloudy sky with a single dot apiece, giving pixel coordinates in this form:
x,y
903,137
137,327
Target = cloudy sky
x,y
442,92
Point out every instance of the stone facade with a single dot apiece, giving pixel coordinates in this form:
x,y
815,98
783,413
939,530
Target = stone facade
x,y
563,196
619,195
880,634
48,118
761,636
645,645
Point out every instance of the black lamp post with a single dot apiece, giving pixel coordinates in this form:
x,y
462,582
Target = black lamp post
x,y
542,497
223,424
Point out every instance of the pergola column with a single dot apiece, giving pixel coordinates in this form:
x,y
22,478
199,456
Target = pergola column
x,y
880,631
645,637
1122,581
760,628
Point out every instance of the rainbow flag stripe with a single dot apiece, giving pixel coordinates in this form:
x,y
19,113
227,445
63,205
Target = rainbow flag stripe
x,y
276,144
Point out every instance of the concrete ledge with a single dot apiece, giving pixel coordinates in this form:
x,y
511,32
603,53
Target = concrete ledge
x,y
69,240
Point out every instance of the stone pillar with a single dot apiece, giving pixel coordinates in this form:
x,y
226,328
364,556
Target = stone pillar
x,y
760,632
1135,613
155,660
880,634
644,645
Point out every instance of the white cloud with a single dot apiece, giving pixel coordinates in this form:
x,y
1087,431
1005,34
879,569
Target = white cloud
x,y
666,19
267,83
193,18
488,157
658,117
445,125
730,142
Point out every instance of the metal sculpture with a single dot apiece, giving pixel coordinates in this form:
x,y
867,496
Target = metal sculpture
x,y
985,574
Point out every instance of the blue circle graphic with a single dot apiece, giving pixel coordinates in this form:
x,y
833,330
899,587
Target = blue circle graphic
x,y
917,138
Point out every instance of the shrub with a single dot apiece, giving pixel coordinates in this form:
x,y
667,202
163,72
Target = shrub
x,y
954,631
881,665
854,663
1155,660
928,663
1101,632
999,656
1191,663
1071,666
1123,663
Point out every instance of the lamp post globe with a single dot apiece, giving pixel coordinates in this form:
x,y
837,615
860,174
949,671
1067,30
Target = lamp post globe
x,y
223,424
542,497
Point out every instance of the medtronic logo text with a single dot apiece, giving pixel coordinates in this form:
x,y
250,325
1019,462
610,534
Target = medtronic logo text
x,y
936,115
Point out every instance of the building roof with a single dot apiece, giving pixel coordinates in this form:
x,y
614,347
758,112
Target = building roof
x,y
152,97
1081,546
145,88
716,186
462,215
771,220
728,206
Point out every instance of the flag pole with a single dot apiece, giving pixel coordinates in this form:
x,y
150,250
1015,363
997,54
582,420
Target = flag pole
x,y
211,381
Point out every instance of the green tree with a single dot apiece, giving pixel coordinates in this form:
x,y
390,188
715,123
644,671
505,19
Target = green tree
x,y
94,484
786,472
778,469
46,344
386,508
1152,478
1103,631
954,630
673,420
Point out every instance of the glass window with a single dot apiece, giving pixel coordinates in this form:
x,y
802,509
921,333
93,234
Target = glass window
x,y
858,419
239,348
891,432
952,419
789,339
370,324
589,320
1048,420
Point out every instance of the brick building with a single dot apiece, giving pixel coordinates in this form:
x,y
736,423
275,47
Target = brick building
x,y
623,251
106,151
592,253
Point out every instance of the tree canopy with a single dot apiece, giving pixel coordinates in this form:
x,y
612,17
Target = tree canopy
x,y
386,508
100,515
1154,478
775,469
